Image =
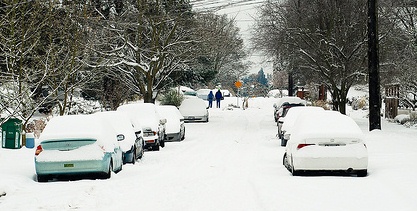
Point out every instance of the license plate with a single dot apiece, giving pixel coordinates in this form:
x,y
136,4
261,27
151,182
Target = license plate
x,y
68,165
331,145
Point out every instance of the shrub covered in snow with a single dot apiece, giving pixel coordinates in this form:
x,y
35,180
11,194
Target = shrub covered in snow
x,y
359,103
172,97
321,103
402,118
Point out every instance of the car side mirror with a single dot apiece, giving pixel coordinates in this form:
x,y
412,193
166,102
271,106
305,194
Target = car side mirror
x,y
120,137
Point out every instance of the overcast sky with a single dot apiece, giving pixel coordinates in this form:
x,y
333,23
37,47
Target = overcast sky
x,y
244,12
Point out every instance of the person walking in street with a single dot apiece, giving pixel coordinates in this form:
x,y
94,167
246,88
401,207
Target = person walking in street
x,y
219,97
210,98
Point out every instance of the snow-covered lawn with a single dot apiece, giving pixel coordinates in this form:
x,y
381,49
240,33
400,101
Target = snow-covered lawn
x,y
234,162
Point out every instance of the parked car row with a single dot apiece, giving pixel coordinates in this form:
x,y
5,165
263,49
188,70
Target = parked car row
x,y
320,140
100,143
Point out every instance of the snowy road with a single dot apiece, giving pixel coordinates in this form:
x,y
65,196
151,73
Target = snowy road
x,y
234,162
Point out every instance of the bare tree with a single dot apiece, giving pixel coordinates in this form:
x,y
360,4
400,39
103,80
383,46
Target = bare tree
x,y
403,45
324,40
144,43
20,75
220,49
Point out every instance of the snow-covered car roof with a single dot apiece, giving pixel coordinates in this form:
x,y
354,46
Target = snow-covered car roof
x,y
79,127
294,112
145,113
169,112
325,124
123,125
193,107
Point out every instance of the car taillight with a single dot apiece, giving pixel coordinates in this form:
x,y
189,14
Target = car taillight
x,y
303,145
38,150
154,133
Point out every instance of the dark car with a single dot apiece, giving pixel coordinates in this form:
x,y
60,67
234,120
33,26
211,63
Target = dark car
x,y
281,114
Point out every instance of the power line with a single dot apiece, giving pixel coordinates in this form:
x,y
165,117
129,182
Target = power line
x,y
216,5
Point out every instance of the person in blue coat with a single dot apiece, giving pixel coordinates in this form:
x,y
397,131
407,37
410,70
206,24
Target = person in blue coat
x,y
219,97
210,98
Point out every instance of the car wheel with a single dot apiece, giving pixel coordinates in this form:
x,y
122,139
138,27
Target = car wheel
x,y
293,171
362,173
108,174
183,136
133,161
162,143
284,159
42,178
120,168
141,153
155,148
283,142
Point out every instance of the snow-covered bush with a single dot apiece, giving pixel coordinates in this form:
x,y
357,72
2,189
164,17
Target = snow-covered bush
x,y
321,103
359,103
402,118
172,97
36,126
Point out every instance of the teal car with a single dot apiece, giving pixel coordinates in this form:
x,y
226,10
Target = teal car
x,y
78,145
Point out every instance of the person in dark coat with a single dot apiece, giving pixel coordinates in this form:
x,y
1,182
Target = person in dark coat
x,y
219,97
210,98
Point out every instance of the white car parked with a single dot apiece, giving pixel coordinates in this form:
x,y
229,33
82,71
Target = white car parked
x,y
194,110
326,141
174,128
132,144
153,125
289,120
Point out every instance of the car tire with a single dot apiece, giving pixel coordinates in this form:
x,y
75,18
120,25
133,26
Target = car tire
x,y
133,161
107,175
183,136
142,151
155,148
362,173
162,144
120,168
284,158
283,142
42,178
293,171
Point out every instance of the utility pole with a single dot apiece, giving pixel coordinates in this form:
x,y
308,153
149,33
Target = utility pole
x,y
373,67
290,84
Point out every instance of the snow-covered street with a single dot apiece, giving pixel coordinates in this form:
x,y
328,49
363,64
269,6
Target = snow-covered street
x,y
234,162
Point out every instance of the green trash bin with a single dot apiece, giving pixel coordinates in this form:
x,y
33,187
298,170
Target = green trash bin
x,y
12,134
